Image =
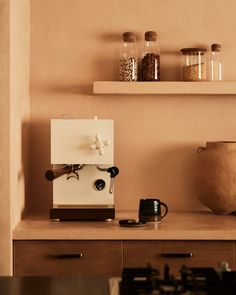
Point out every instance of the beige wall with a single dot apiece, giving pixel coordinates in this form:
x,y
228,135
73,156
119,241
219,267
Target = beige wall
x,y
14,120
5,225
76,42
20,105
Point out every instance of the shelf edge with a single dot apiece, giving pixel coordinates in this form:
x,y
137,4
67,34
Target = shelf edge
x,y
164,88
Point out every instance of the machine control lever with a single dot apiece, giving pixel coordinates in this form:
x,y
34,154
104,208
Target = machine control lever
x,y
114,171
99,144
99,184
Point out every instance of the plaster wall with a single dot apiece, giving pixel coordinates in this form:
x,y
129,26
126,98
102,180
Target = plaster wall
x,y
74,43
14,121
20,106
5,224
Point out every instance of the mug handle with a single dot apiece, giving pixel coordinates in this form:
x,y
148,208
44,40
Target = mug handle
x,y
166,208
201,149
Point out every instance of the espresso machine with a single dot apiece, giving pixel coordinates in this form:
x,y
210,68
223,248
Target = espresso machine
x,y
83,172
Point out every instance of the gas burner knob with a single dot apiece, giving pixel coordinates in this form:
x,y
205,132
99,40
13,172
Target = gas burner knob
x,y
99,184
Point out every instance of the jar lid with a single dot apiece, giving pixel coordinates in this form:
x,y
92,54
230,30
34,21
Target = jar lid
x,y
129,37
216,47
150,36
193,50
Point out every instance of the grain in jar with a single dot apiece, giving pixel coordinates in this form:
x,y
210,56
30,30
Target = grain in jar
x,y
193,66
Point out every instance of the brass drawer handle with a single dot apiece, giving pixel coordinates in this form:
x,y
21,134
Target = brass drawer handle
x,y
67,256
177,255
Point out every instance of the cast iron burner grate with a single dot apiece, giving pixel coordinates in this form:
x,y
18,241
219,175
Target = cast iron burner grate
x,y
192,281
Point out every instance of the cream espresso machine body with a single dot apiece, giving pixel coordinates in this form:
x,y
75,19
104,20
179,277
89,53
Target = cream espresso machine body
x,y
82,155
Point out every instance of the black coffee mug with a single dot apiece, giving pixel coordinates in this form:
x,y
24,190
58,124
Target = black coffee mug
x,y
150,210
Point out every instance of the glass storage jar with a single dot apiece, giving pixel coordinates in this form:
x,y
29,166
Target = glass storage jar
x,y
193,65
151,58
215,63
128,69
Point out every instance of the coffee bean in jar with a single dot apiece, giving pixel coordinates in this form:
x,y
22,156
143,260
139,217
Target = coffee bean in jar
x,y
151,58
128,69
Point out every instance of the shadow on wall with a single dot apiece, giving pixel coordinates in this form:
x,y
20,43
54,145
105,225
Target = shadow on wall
x,y
24,174
175,174
62,89
113,37
40,193
167,174
170,69
84,89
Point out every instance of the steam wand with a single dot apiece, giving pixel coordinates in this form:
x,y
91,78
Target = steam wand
x,y
114,171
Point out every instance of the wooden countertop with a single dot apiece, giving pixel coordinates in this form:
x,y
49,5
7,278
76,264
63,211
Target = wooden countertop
x,y
199,225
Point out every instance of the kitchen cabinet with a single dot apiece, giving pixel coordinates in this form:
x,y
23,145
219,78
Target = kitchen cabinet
x,y
107,258
178,253
41,246
62,258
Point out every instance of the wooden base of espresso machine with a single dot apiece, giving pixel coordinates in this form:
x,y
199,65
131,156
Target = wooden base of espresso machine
x,y
82,191
83,214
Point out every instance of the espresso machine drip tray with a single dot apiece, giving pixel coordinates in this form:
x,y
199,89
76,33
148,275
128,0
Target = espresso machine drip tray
x,y
83,213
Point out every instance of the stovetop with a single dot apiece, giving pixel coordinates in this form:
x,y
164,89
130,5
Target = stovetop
x,y
191,281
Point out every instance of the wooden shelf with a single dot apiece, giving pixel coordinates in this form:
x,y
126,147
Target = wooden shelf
x,y
170,87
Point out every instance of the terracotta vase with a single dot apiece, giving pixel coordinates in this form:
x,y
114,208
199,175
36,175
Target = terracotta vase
x,y
216,176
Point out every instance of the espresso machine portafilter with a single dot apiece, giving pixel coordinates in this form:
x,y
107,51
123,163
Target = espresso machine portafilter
x,y
83,172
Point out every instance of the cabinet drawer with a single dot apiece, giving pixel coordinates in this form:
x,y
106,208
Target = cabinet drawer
x,y
67,258
177,253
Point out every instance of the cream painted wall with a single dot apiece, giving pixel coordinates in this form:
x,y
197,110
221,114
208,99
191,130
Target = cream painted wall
x,y
75,42
5,224
20,106
14,120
